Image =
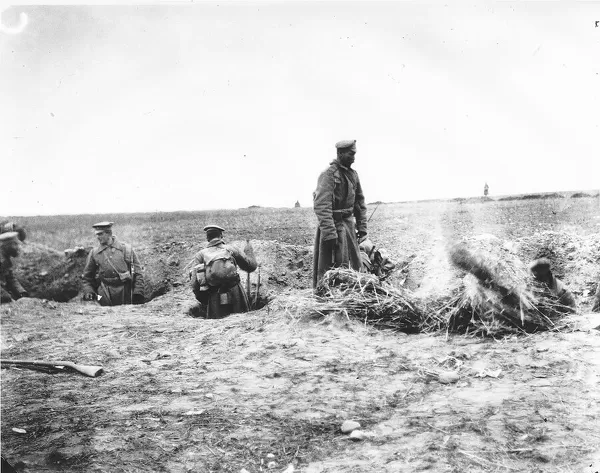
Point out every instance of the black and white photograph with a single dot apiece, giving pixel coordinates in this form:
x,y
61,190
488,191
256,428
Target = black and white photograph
x,y
300,236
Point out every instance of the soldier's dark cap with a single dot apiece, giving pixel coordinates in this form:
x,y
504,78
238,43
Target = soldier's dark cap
x,y
213,227
541,265
345,144
101,226
9,236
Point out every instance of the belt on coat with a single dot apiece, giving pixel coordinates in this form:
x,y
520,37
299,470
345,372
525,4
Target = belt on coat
x,y
342,214
112,281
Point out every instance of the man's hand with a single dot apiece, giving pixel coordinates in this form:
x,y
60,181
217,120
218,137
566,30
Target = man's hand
x,y
88,296
333,243
138,299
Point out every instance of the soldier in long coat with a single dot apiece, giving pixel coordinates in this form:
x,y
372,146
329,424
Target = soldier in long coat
x,y
10,288
221,301
113,273
338,200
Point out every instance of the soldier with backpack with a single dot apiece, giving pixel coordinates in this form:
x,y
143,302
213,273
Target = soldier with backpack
x,y
112,274
214,275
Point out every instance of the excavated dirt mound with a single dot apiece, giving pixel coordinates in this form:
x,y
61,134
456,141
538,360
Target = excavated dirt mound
x,y
56,275
575,259
48,273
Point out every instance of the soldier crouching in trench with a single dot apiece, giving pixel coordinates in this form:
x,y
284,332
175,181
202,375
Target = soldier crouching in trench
x,y
215,280
10,287
112,273
540,269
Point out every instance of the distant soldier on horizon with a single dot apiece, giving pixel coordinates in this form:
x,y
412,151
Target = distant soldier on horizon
x,y
215,280
10,287
338,200
297,204
113,273
486,189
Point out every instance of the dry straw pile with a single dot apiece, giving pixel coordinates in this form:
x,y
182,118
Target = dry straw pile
x,y
497,296
354,295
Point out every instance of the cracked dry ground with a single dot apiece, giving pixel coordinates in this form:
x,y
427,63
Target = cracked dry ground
x,y
270,388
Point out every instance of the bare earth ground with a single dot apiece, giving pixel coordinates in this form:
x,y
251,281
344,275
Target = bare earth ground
x,y
269,389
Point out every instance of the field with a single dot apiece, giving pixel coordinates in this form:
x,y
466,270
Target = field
x,y
269,390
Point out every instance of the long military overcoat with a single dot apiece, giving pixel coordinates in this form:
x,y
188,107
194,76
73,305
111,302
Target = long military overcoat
x,y
338,200
105,269
221,302
10,288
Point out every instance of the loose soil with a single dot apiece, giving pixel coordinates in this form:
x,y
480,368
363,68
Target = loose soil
x,y
269,389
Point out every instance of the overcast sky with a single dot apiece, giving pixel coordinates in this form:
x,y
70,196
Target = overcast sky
x,y
224,105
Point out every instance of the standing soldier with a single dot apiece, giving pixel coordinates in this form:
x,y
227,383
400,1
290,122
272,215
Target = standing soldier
x,y
215,279
339,198
113,273
486,189
10,287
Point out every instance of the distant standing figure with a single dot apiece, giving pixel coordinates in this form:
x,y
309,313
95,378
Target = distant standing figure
x,y
8,226
297,204
215,280
541,271
112,273
338,200
486,189
11,289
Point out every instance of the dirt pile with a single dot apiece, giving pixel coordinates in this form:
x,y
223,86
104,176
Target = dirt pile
x,y
50,274
282,266
55,275
575,259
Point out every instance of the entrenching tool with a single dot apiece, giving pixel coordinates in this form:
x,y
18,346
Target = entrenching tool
x,y
56,366
257,289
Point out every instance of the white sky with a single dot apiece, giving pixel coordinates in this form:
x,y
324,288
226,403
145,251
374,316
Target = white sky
x,y
224,105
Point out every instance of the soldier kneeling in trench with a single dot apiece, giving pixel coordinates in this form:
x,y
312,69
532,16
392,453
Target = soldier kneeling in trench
x,y
112,274
214,275
540,269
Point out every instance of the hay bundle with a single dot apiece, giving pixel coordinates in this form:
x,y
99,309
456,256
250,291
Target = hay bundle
x,y
497,296
364,297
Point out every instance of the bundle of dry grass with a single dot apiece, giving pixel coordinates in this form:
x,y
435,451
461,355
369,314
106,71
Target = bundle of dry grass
x,y
498,296
363,296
